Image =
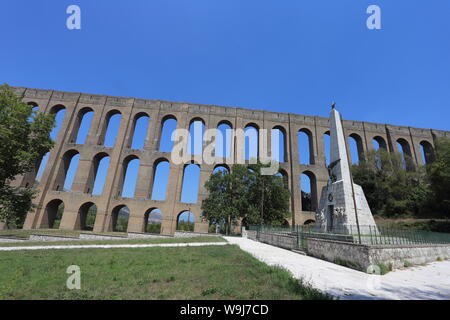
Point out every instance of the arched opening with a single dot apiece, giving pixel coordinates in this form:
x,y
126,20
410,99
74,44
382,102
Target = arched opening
x,y
54,212
59,111
405,150
278,143
120,217
34,111
356,148
309,222
195,142
308,191
186,221
87,213
305,147
41,166
131,171
223,140
379,144
153,220
169,124
251,136
283,174
140,128
160,179
100,171
326,147
285,223
82,125
221,168
110,128
67,171
427,152
191,179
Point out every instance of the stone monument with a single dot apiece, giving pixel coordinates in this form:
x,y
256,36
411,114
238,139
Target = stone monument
x,y
336,211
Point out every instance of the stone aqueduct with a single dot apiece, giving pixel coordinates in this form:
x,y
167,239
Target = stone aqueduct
x,y
80,196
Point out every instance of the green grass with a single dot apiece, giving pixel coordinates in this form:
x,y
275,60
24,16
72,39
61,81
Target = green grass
x,y
119,241
208,272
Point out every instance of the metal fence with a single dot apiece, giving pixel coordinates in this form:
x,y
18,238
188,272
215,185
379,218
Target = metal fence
x,y
367,235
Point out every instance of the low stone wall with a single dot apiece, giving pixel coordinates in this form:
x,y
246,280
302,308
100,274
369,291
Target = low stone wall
x,y
280,240
44,237
12,239
250,234
93,236
138,235
362,256
189,234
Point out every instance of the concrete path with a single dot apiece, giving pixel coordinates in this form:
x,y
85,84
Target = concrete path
x,y
109,246
423,282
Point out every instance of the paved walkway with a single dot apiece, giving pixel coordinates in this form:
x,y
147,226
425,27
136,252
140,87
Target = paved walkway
x,y
423,282
108,246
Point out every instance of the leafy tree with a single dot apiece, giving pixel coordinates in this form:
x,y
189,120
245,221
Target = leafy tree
x,y
391,190
226,202
439,177
269,198
245,194
24,138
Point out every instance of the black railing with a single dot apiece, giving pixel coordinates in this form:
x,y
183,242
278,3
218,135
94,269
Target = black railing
x,y
367,235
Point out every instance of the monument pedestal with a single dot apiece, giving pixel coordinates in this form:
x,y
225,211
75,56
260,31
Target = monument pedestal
x,y
336,211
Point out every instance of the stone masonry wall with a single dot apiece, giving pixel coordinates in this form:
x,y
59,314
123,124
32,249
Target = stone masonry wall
x,y
77,200
362,256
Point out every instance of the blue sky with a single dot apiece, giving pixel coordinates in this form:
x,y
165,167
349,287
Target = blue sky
x,y
288,56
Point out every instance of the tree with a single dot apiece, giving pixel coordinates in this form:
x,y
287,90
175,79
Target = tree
x,y
226,201
391,190
244,193
439,176
269,198
24,138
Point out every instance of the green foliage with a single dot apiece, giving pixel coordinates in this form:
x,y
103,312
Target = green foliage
x,y
24,138
384,268
58,217
185,226
395,192
391,191
439,176
246,194
154,227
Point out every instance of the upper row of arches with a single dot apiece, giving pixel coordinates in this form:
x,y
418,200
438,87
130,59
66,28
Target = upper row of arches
x,y
141,123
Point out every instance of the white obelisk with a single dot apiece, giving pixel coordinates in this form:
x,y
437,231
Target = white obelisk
x,y
336,210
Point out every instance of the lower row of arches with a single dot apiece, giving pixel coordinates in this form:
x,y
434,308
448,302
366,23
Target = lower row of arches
x,y
120,217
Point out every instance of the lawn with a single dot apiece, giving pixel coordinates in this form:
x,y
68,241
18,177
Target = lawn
x,y
207,272
118,241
